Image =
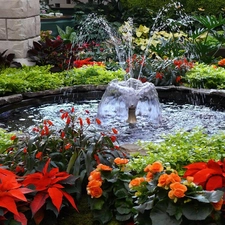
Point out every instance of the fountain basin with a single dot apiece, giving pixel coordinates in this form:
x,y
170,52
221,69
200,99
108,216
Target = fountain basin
x,y
181,108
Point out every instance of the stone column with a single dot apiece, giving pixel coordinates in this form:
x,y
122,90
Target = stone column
x,y
19,26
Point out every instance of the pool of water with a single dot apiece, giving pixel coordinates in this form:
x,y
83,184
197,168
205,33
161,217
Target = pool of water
x,y
174,118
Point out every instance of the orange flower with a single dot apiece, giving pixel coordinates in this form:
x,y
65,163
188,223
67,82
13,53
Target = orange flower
x,y
67,146
159,75
166,179
113,138
98,121
13,137
218,205
221,62
114,130
39,155
177,190
120,161
156,167
163,180
173,177
103,167
136,182
88,121
94,188
149,176
81,121
95,175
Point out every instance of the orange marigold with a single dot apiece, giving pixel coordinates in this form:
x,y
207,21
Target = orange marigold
x,y
177,190
120,161
156,167
136,182
103,167
94,188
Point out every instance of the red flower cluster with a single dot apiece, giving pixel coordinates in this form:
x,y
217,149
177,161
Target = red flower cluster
x,y
210,175
46,186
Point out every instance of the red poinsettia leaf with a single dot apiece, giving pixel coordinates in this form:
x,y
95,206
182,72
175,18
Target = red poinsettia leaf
x,y
33,178
45,169
9,182
8,203
25,190
196,166
21,218
39,216
70,199
38,202
57,186
17,194
203,175
53,172
56,195
215,166
191,172
214,182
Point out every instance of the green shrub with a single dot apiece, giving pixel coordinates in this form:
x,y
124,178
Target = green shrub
x,y
206,76
181,149
39,78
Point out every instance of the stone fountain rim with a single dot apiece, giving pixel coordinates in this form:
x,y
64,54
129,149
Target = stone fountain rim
x,y
181,94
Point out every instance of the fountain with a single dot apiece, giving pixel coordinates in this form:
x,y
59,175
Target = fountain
x,y
125,100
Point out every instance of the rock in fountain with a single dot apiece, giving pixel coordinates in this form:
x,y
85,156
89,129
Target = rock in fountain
x,y
128,100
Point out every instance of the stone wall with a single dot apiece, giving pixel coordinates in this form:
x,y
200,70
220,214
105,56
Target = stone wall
x,y
19,26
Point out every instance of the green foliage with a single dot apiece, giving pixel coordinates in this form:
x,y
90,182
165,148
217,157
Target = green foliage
x,y
5,141
39,78
206,76
91,75
181,149
27,79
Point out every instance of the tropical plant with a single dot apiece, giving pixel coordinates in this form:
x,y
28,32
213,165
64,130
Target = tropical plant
x,y
39,191
198,45
75,147
8,60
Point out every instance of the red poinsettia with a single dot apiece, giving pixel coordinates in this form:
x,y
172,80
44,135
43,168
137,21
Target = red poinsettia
x,y
11,193
47,185
210,175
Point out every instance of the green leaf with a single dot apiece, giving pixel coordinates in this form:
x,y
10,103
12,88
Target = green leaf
x,y
123,217
208,196
197,211
159,216
97,204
